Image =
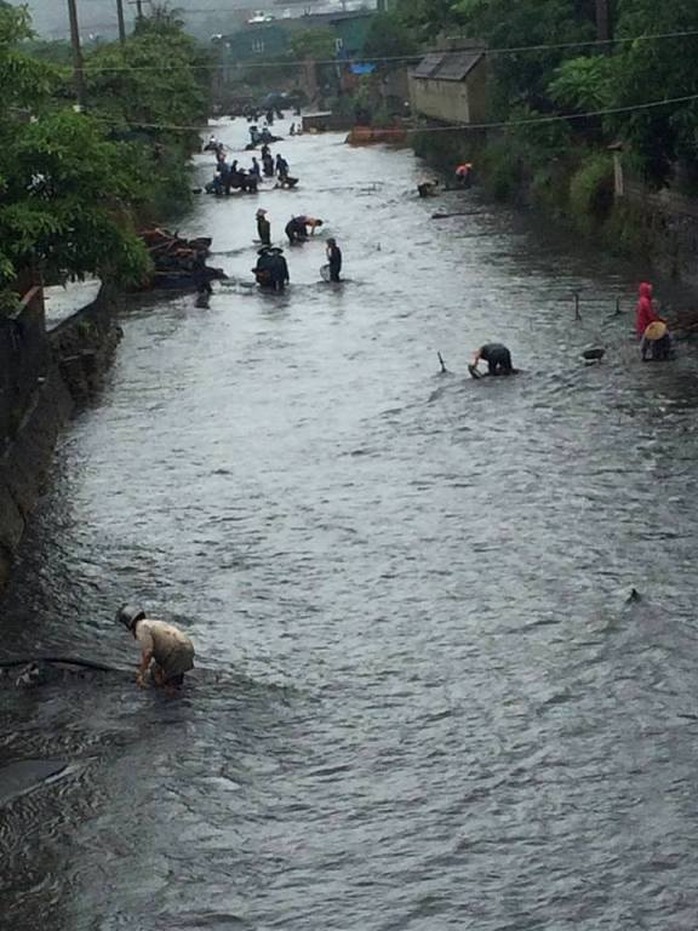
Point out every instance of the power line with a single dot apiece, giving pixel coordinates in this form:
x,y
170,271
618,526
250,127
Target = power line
x,y
506,50
502,124
558,117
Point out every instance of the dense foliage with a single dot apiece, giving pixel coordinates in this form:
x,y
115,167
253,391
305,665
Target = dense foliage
x,y
544,59
74,185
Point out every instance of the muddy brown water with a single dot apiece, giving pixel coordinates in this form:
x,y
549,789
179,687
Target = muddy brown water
x,y
421,701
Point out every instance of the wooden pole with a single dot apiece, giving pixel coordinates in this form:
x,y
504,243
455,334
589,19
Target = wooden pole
x,y
120,17
603,20
78,74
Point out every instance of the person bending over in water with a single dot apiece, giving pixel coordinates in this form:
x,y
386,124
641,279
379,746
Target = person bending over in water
x,y
497,357
296,230
310,224
165,651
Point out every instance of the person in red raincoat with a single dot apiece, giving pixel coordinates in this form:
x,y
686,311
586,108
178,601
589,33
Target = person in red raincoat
x,y
644,311
644,315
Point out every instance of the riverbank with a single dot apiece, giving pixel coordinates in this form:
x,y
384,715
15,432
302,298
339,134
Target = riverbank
x,y
49,373
588,193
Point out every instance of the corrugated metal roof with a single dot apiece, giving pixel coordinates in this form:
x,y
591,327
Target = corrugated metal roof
x,y
448,66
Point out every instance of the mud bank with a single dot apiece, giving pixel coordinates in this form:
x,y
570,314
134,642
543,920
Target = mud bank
x,y
47,377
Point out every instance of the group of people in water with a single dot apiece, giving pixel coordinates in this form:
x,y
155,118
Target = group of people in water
x,y
271,270
652,331
232,176
166,652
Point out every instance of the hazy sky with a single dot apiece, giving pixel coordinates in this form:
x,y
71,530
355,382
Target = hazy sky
x,y
203,17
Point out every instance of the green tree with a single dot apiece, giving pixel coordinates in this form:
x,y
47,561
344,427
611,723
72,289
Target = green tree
x,y
162,21
651,70
583,84
153,91
388,37
158,81
64,189
313,44
427,18
539,30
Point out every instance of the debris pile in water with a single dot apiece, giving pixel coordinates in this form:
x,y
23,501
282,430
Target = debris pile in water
x,y
178,263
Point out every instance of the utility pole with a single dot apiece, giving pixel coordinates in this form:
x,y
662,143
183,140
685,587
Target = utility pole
x,y
78,75
120,17
603,20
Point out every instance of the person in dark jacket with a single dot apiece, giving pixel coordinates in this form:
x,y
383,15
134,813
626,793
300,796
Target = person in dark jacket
x,y
497,357
278,269
334,257
268,165
263,268
296,230
263,227
255,170
281,167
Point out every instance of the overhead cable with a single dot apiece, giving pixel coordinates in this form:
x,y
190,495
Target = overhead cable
x,y
502,124
489,52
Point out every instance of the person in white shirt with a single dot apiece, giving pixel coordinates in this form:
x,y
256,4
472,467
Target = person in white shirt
x,y
166,652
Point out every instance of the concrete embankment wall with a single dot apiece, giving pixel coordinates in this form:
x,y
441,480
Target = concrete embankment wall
x,y
670,226
45,377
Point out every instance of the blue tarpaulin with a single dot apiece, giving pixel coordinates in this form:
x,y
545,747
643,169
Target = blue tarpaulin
x,y
362,68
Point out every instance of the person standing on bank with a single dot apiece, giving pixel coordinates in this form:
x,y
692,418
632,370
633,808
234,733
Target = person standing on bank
x,y
334,257
263,227
166,652
497,357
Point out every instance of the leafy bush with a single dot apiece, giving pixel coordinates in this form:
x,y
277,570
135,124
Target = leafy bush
x,y
502,170
591,190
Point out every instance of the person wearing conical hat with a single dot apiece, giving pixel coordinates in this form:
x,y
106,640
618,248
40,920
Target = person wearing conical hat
x,y
263,269
652,331
656,341
263,227
278,268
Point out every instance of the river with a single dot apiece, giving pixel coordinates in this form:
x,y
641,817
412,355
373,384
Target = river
x,y
421,700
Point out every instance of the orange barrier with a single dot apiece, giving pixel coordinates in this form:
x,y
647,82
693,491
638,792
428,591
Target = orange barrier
x,y
368,135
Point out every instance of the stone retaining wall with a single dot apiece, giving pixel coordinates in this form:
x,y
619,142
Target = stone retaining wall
x,y
44,379
672,224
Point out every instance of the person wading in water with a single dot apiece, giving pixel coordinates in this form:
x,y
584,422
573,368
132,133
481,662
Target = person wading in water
x,y
497,357
166,652
263,227
334,257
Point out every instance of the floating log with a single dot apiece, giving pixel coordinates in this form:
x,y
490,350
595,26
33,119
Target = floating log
x,y
459,213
